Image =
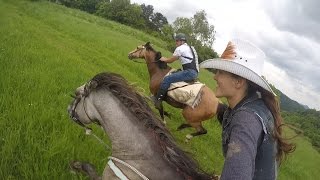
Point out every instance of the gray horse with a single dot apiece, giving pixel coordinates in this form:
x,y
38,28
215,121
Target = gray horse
x,y
141,147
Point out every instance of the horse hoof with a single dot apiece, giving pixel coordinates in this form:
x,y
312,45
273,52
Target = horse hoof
x,y
188,137
164,122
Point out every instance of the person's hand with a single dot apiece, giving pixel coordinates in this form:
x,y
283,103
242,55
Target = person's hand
x,y
162,59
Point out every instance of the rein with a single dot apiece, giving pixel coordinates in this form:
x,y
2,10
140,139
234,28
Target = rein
x,y
136,61
74,116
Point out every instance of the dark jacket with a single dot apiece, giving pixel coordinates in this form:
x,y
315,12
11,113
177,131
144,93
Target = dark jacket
x,y
248,145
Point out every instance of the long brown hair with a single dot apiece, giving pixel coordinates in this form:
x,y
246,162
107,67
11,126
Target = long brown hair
x,y
284,147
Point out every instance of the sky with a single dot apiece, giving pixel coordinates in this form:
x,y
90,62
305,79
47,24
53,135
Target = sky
x,y
288,31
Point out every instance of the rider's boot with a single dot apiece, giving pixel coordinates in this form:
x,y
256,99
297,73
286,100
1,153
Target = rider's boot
x,y
157,100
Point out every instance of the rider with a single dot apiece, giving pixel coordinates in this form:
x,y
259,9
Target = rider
x,y
189,60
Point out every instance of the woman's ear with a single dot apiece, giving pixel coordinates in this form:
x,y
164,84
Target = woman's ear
x,y
240,82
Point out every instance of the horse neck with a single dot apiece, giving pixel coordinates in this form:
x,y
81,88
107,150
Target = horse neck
x,y
131,141
153,67
128,135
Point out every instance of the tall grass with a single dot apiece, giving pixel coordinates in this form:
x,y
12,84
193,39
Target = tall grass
x,y
46,51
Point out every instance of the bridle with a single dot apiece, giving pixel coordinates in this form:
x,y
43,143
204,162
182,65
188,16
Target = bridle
x,y
138,49
141,49
74,116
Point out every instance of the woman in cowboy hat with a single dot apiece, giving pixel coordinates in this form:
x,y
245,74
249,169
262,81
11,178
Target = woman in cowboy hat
x,y
251,135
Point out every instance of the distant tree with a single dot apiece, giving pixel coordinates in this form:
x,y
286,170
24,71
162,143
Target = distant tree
x,y
184,25
202,30
167,32
89,6
308,120
197,27
158,21
123,12
68,3
200,34
147,12
153,21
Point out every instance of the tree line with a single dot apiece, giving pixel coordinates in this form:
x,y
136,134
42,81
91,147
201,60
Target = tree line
x,y
308,121
200,33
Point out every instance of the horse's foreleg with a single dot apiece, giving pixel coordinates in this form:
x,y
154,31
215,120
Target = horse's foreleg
x,y
167,114
162,113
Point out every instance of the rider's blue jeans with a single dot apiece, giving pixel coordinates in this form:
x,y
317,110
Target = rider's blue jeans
x,y
184,75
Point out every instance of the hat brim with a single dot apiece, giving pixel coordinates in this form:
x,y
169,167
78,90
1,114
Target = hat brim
x,y
238,69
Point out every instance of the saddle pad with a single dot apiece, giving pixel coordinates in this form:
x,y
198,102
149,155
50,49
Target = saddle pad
x,y
189,94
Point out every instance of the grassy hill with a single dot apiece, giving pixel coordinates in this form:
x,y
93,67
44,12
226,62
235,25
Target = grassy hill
x,y
46,51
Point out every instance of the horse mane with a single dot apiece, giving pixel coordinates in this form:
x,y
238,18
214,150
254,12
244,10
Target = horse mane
x,y
137,104
161,64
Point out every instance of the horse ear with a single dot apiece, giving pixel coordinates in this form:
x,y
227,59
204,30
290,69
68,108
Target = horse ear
x,y
148,46
93,84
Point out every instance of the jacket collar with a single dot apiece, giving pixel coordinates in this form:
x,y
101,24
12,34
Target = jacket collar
x,y
247,99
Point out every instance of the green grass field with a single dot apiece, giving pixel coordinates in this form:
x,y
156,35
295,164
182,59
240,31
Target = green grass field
x,y
46,51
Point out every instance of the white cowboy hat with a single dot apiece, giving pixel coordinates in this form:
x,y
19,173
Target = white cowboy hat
x,y
243,59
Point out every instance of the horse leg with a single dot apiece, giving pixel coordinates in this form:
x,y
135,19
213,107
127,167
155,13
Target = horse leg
x,y
167,114
162,113
200,130
183,126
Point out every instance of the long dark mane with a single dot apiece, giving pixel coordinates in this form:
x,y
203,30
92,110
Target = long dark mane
x,y
161,64
137,104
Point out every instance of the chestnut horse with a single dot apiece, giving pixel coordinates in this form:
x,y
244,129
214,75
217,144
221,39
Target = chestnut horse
x,y
157,69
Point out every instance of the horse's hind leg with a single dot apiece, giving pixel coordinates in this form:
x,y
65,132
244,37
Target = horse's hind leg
x,y
200,130
183,126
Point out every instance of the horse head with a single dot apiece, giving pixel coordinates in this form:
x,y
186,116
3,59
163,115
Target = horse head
x,y
148,53
80,109
137,53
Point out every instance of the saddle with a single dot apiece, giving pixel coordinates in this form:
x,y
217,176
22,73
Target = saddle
x,y
188,93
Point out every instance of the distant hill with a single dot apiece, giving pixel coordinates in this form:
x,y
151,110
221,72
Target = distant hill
x,y
288,104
